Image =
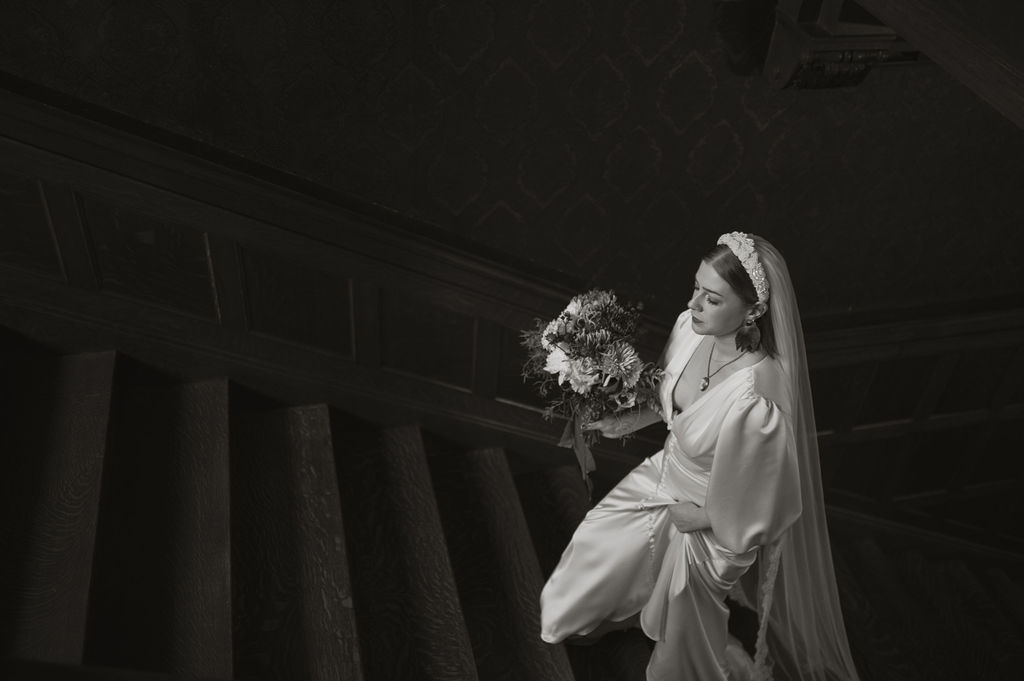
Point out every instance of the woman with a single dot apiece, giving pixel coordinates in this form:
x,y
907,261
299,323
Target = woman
x,y
737,486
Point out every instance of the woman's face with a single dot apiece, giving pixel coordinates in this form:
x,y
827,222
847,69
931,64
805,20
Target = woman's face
x,y
717,309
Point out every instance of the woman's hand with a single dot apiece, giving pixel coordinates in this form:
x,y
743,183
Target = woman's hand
x,y
688,517
612,426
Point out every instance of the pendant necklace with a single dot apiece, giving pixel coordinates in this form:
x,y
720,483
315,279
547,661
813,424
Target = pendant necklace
x,y
706,381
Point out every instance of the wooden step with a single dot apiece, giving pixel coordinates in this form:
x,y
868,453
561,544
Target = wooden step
x,y
30,670
984,626
52,440
895,604
161,591
495,566
955,648
407,605
875,643
1008,594
293,611
554,501
624,655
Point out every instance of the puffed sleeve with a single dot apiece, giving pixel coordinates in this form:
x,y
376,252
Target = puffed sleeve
x,y
754,491
675,338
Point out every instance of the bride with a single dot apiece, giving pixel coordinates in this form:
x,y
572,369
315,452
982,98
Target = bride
x,y
731,506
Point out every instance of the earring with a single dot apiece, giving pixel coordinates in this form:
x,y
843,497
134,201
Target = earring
x,y
748,336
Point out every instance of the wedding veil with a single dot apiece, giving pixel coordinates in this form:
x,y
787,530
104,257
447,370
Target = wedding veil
x,y
806,637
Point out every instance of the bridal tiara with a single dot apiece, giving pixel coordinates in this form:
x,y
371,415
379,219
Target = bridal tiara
x,y
742,247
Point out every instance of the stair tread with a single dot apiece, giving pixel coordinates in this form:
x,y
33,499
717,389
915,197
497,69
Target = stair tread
x,y
160,597
554,501
406,599
495,566
293,613
624,655
878,650
53,444
886,590
34,670
958,647
1008,594
437,578
986,621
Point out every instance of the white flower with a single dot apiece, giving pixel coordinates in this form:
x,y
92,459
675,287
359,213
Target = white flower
x,y
549,329
574,307
582,374
557,363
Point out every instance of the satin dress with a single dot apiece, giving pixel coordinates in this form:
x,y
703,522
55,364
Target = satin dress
x,y
730,452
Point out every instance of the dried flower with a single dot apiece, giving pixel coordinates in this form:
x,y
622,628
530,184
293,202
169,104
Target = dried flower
x,y
584,361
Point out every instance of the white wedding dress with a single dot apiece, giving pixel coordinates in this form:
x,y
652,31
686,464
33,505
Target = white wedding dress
x,y
730,452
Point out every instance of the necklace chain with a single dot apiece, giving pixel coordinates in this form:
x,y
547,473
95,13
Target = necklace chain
x,y
708,375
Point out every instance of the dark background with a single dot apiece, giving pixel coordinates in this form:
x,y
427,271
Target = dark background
x,y
264,266
606,140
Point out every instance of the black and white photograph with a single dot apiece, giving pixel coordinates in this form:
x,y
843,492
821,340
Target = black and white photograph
x,y
553,340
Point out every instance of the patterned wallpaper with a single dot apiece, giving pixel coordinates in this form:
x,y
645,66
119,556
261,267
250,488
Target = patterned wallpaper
x,y
604,139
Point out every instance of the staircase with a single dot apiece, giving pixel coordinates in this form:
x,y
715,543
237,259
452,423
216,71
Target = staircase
x,y
911,616
155,528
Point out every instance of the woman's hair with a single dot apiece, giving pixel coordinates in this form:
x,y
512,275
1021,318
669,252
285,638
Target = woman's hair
x,y
729,267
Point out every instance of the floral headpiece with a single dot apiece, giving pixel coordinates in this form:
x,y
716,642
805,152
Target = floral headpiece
x,y
742,247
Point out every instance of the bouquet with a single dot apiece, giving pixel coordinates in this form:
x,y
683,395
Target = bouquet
x,y
583,361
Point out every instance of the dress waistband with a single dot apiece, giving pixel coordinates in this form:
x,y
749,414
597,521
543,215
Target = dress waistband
x,y
680,461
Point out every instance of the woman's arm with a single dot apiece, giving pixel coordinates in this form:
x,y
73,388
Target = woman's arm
x,y
754,491
689,517
618,425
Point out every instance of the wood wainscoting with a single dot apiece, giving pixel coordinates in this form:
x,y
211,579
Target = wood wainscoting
x,y
110,239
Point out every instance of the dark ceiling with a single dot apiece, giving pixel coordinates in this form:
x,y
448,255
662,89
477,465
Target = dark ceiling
x,y
606,141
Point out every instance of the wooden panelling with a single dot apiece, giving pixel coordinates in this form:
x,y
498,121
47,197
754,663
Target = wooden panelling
x,y
511,386
832,455
1002,460
366,317
868,472
895,392
856,396
975,380
72,240
228,281
831,388
296,303
422,338
1012,389
26,239
992,512
66,318
146,257
204,271
252,209
938,457
933,389
487,349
